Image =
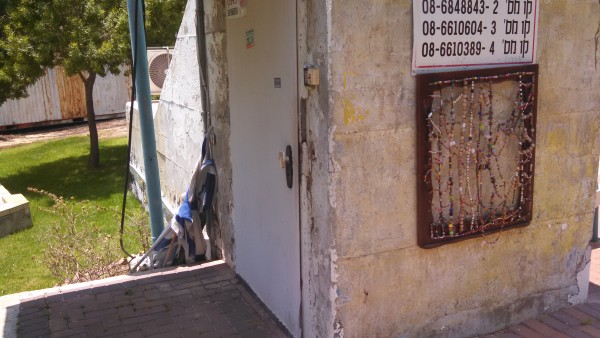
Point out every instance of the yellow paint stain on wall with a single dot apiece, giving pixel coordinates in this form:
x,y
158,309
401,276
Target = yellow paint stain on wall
x,y
351,114
557,139
590,168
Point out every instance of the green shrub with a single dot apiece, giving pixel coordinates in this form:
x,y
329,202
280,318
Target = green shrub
x,y
76,249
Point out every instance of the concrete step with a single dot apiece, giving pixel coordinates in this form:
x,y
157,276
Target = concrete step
x,y
14,213
3,191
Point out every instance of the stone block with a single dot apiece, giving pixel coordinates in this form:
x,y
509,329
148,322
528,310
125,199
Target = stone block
x,y
179,143
14,213
572,134
375,191
565,185
182,84
370,67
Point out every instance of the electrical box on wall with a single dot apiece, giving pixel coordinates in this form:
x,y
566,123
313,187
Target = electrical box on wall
x,y
311,75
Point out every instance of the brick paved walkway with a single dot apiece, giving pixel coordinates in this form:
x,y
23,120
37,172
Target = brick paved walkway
x,y
580,321
206,300
209,300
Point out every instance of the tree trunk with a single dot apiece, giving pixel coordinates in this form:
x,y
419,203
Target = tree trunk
x,y
94,159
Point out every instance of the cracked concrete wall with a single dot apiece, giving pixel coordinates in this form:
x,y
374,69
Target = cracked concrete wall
x,y
177,122
179,125
317,228
219,116
387,285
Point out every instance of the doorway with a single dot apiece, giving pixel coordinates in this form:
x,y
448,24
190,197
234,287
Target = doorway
x,y
262,61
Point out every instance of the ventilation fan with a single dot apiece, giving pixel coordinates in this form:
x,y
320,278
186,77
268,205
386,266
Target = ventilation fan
x,y
158,65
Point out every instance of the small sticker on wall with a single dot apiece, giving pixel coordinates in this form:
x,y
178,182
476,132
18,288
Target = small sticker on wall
x,y
250,38
236,9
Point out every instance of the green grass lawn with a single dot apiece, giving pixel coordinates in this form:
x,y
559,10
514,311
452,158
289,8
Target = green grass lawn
x,y
59,167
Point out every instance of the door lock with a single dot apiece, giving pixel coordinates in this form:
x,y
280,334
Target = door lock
x,y
286,161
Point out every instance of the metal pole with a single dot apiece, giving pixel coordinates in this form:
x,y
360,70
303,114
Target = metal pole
x,y
142,84
202,63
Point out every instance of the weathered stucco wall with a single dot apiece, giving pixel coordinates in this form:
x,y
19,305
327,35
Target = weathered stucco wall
x,y
178,120
386,285
317,228
218,90
179,125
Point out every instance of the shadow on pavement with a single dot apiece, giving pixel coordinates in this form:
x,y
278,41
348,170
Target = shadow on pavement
x,y
201,301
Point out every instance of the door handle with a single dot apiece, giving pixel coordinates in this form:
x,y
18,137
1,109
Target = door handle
x,y
286,162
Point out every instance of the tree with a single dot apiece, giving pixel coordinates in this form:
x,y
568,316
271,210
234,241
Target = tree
x,y
11,86
163,19
88,38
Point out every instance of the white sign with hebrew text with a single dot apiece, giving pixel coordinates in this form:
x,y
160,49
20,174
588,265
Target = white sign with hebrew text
x,y
235,8
463,34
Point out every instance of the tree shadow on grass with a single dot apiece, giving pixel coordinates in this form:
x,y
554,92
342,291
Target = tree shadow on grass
x,y
71,177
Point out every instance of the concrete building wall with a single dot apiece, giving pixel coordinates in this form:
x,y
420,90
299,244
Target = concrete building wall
x,y
319,279
386,285
218,90
179,126
177,119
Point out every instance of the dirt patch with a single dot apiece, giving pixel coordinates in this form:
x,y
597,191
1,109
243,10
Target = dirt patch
x,y
106,129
